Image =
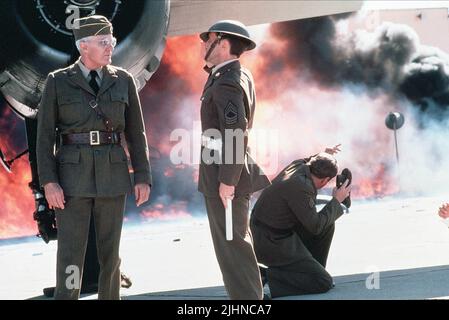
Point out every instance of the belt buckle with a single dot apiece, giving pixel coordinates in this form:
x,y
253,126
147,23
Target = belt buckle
x,y
94,138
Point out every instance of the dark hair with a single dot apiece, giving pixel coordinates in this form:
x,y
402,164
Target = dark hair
x,y
323,165
238,45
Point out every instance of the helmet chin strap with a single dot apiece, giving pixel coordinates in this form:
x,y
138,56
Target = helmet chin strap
x,y
209,52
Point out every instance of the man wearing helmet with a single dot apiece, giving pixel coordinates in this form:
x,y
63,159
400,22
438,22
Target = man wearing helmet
x,y
227,172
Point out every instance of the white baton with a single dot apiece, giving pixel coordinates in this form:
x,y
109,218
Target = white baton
x,y
229,235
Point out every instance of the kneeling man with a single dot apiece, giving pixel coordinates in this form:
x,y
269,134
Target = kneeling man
x,y
290,237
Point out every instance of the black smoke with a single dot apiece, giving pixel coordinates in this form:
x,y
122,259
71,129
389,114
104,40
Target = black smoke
x,y
389,60
426,81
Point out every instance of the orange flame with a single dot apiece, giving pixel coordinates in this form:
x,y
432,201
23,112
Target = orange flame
x,y
380,185
16,217
167,213
182,55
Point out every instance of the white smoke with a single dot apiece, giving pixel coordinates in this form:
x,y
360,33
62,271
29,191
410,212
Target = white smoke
x,y
424,154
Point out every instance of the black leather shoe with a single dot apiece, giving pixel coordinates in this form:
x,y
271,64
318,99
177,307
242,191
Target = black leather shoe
x,y
49,292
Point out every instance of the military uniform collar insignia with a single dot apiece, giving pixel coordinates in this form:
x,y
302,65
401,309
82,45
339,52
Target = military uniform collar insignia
x,y
110,70
73,70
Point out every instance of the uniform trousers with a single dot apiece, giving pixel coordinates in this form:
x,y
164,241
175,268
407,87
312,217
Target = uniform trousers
x,y
73,230
304,275
236,258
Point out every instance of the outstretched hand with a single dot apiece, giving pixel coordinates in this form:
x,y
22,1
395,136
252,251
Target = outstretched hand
x,y
334,150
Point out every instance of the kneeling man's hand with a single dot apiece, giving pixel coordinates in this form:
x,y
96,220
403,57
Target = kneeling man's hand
x,y
343,192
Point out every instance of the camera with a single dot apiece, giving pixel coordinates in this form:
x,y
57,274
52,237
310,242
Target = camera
x,y
46,220
341,178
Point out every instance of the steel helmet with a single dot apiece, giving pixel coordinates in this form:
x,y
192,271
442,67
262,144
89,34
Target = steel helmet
x,y
230,27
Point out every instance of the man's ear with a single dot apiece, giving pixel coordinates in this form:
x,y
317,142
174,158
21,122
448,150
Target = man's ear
x,y
326,180
83,46
224,43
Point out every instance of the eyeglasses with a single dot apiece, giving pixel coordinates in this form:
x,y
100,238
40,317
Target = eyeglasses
x,y
104,43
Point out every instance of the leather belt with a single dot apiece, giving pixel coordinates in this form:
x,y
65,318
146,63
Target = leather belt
x,y
93,138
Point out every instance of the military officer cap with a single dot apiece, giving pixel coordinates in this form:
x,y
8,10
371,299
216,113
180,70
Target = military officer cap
x,y
232,28
91,26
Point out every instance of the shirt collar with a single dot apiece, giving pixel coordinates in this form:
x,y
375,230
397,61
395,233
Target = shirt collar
x,y
218,66
86,71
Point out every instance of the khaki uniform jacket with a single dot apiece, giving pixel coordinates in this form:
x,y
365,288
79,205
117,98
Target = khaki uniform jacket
x,y
84,170
229,102
284,207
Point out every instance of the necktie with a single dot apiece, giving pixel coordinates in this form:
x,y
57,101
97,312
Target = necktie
x,y
93,81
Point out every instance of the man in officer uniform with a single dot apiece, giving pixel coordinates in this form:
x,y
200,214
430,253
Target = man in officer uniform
x,y
226,169
290,237
88,106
